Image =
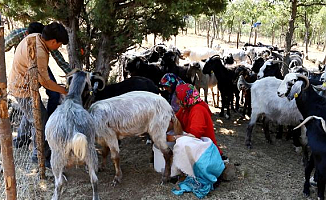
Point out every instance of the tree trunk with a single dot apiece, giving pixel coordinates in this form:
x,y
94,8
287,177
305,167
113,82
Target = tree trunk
x,y
255,40
318,39
324,43
252,22
238,39
289,33
214,31
307,25
175,40
222,31
195,27
208,30
103,58
273,34
231,29
289,36
154,39
8,175
73,48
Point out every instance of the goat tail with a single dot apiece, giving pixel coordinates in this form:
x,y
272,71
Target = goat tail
x,y
242,84
79,145
177,127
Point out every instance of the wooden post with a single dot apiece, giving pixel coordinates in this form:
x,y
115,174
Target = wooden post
x,y
34,89
5,131
238,39
255,36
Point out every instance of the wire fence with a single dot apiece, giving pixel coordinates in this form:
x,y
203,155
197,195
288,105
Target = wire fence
x,y
27,178
21,94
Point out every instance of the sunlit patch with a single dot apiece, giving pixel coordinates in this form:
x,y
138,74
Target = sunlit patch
x,y
219,121
43,185
225,131
222,146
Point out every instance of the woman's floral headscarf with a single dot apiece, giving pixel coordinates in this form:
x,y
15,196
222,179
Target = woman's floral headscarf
x,y
171,80
188,95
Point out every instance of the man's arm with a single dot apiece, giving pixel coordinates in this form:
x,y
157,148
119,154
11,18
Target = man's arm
x,y
60,61
43,76
14,38
53,86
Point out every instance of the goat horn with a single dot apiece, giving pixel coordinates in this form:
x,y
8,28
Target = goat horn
x,y
101,79
319,87
305,79
218,56
309,118
72,72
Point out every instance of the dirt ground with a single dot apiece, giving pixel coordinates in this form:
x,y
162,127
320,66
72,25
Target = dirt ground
x,y
268,171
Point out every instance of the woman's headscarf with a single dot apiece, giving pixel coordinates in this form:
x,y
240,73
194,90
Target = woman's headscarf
x,y
171,80
188,95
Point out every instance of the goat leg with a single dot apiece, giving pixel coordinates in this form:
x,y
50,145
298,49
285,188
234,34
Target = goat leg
x,y
249,133
266,130
308,170
168,155
280,133
214,102
105,153
57,172
92,168
321,189
223,106
118,173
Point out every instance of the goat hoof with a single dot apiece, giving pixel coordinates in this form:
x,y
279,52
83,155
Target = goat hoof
x,y
101,169
165,180
306,193
249,146
115,181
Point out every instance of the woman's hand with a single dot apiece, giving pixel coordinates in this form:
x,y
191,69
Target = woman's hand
x,y
173,138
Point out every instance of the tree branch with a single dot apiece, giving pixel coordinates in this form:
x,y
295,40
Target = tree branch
x,y
311,4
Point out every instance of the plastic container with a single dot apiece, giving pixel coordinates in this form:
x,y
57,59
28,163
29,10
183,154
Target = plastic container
x,y
159,162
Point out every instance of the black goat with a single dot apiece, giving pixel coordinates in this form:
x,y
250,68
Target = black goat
x,y
140,67
257,64
316,134
309,103
102,91
169,64
250,78
225,79
270,68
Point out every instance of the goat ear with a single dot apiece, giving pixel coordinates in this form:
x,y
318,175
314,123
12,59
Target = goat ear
x,y
69,80
100,80
138,64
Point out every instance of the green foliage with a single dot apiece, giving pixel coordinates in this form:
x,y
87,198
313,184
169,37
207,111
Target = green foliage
x,y
123,22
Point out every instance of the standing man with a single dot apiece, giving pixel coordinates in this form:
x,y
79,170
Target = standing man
x,y
52,37
12,40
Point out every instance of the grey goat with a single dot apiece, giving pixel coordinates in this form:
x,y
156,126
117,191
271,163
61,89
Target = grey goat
x,y
70,132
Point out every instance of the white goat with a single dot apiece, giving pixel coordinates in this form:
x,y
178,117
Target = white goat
x,y
265,101
202,80
199,53
70,132
238,55
134,113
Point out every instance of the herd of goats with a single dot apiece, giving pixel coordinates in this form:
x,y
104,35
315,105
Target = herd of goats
x,y
133,106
